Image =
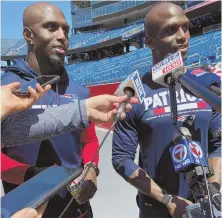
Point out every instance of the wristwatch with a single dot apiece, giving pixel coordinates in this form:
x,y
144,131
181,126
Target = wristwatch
x,y
166,199
94,166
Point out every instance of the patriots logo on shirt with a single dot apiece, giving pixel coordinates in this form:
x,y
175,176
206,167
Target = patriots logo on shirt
x,y
158,104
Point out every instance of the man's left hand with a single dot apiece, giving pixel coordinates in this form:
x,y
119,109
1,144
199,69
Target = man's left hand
x,y
89,187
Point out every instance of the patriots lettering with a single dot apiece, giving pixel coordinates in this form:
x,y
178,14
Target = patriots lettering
x,y
182,96
190,97
162,99
156,101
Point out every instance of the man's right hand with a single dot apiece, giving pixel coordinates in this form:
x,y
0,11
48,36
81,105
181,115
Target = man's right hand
x,y
177,206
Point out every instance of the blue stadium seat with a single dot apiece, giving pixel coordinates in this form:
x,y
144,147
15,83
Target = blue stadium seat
x,y
80,40
203,48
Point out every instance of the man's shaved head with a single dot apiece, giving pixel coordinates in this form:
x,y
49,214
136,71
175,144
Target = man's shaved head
x,y
36,12
157,13
46,32
166,30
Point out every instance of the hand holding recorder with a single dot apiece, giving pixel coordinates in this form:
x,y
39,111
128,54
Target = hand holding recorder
x,y
11,103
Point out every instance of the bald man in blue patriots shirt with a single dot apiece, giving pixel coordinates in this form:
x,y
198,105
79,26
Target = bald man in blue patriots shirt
x,y
149,125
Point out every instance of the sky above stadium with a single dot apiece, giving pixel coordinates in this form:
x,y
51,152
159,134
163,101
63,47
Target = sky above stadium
x,y
11,16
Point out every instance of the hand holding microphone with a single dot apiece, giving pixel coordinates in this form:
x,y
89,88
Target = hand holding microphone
x,y
103,108
132,87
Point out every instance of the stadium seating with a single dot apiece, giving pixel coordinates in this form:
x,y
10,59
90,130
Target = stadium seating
x,y
95,38
111,69
204,48
86,39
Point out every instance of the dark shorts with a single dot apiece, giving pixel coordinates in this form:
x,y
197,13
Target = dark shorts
x,y
57,204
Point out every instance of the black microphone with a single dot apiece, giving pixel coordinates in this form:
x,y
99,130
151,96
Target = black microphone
x,y
129,92
199,90
173,65
209,79
207,67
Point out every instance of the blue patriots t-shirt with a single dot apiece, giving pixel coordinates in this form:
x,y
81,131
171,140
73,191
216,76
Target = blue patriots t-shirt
x,y
149,125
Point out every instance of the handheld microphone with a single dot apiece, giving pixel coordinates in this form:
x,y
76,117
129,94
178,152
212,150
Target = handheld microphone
x,y
132,87
215,86
168,66
184,154
207,79
213,68
173,66
207,67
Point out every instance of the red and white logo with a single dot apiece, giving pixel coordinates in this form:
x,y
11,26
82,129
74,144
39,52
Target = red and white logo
x,y
181,107
179,153
196,150
185,117
171,67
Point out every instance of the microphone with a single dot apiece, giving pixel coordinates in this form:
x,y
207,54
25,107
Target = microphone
x,y
132,87
168,66
185,160
213,68
206,78
215,74
184,154
173,66
208,67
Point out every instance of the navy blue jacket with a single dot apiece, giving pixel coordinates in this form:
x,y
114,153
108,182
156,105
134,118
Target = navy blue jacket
x,y
65,149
